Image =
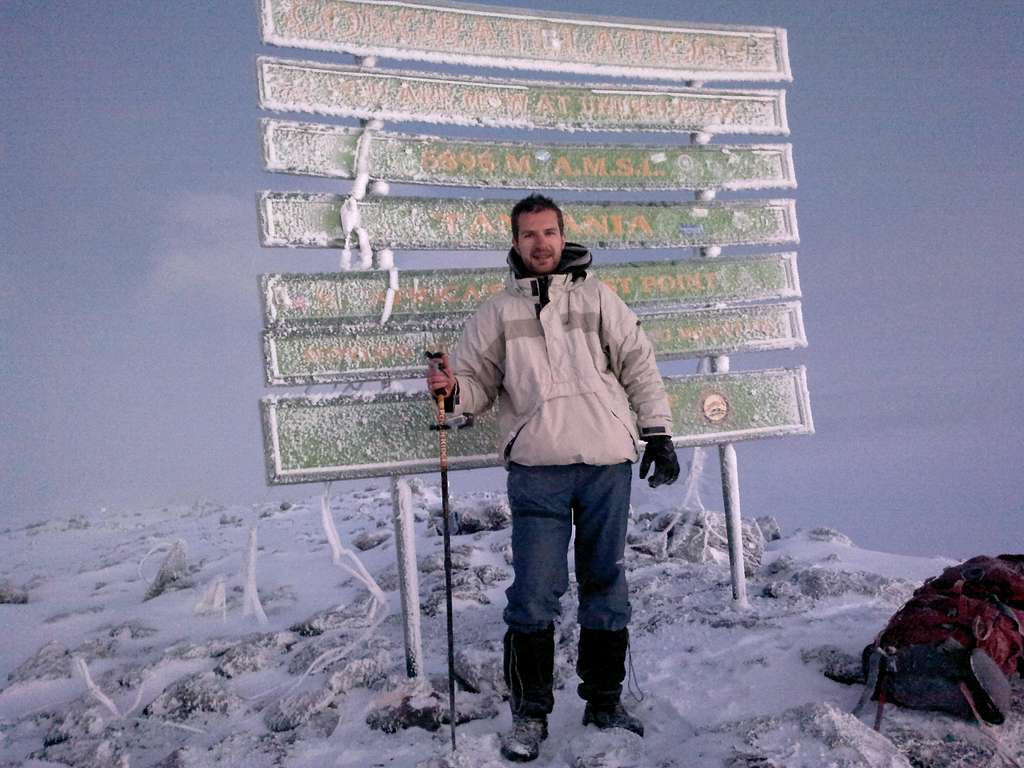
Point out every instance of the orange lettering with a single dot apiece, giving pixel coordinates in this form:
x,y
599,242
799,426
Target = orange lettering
x,y
450,219
570,224
596,226
544,104
692,280
563,167
594,166
640,222
521,164
481,224
483,34
603,42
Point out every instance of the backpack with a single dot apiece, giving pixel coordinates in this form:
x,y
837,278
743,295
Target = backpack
x,y
955,645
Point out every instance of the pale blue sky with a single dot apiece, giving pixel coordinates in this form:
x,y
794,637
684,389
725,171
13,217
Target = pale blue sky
x,y
130,318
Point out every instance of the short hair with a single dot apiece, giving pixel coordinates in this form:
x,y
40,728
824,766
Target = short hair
x,y
533,204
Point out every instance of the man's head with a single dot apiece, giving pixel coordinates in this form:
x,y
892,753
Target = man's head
x,y
538,233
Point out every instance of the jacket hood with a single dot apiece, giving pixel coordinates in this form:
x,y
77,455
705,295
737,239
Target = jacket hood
x,y
575,261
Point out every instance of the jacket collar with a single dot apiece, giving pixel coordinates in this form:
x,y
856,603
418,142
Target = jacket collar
x,y
575,261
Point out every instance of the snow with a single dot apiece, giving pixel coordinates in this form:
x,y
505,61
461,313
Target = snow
x,y
720,686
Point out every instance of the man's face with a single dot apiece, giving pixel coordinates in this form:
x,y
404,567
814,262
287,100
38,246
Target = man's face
x,y
539,241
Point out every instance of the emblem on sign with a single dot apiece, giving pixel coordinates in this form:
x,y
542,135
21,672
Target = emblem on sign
x,y
715,407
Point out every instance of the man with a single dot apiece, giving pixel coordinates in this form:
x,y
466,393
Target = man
x,y
578,388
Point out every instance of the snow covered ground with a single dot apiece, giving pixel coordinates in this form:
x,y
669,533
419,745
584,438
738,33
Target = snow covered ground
x,y
719,687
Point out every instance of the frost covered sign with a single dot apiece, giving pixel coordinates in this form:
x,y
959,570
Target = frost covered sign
x,y
300,297
322,328
539,40
350,91
518,132
322,150
340,352
334,437
315,221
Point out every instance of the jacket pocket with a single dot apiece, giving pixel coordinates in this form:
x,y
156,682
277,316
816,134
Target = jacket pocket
x,y
630,431
507,453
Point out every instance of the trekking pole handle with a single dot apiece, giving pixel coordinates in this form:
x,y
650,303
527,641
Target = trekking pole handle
x,y
435,362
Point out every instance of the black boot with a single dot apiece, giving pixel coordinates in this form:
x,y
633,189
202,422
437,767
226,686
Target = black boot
x,y
614,716
522,743
602,668
529,667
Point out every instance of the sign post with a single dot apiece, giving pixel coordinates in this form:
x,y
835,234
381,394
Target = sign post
x,y
371,324
726,451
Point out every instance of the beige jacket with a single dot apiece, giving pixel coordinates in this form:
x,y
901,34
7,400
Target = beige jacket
x,y
573,372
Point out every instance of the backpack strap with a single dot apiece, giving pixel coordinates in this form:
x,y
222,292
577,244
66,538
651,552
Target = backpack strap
x,y
879,663
1010,614
878,711
988,730
871,683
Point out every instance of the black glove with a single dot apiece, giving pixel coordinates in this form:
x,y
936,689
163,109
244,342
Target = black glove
x,y
666,466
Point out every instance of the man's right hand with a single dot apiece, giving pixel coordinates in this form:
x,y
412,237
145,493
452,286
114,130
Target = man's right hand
x,y
440,379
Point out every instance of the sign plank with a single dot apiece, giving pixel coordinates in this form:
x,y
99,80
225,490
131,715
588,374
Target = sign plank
x,y
335,437
314,220
328,150
313,353
643,285
350,91
541,40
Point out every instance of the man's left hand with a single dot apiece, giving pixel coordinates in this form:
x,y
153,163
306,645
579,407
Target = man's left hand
x,y
662,453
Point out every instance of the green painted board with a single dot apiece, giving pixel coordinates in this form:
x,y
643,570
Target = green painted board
x,y
349,91
313,353
323,353
516,38
329,150
701,332
312,220
334,437
643,285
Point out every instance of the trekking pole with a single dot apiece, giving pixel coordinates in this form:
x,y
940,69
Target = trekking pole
x,y
434,360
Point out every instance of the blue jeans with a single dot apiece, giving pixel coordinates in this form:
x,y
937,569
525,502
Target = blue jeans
x,y
546,502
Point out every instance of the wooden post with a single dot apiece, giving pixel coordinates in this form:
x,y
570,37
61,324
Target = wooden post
x,y
408,575
726,451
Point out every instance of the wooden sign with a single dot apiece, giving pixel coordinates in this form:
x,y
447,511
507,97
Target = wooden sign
x,y
320,353
644,285
493,36
349,91
334,437
328,150
310,220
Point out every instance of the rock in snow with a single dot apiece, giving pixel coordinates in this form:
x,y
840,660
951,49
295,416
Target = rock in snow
x,y
51,662
192,696
835,663
289,712
173,573
697,537
11,594
813,736
370,539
